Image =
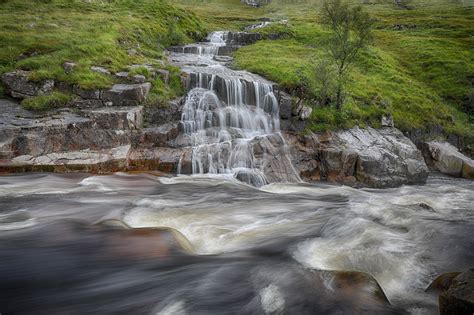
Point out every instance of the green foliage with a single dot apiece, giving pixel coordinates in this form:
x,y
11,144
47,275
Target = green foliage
x,y
350,31
46,102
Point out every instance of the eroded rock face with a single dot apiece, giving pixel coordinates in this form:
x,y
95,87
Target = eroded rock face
x,y
20,86
446,159
127,94
374,158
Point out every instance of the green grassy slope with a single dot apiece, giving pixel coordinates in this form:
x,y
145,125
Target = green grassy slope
x,y
40,36
420,67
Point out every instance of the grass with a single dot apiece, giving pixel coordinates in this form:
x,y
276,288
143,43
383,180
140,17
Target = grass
x,y
420,67
46,102
39,36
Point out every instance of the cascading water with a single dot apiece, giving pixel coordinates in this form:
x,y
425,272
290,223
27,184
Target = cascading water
x,y
228,115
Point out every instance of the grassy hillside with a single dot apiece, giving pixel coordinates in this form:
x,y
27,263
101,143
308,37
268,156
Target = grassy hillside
x,y
40,36
420,67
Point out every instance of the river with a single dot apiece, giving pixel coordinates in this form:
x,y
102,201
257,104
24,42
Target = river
x,y
251,250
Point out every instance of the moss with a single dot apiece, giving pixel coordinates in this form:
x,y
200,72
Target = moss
x,y
46,102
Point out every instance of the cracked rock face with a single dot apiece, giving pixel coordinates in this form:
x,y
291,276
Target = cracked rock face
x,y
373,158
446,158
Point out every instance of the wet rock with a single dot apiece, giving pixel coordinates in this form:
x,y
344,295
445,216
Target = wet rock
x,y
156,137
446,159
160,114
164,159
19,86
374,158
442,282
127,94
100,70
251,177
241,38
142,243
360,286
459,297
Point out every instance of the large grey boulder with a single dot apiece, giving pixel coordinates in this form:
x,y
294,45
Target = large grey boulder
x,y
446,159
375,158
127,94
18,85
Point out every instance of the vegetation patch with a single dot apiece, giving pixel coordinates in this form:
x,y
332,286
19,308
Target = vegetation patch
x,y
46,102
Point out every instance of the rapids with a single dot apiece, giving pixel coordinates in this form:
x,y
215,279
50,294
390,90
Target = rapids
x,y
267,250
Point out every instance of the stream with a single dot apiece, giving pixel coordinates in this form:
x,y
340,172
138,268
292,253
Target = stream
x,y
251,250
242,235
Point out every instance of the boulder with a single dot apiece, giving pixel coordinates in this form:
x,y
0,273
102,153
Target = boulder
x,y
18,85
446,159
127,94
68,66
156,136
375,158
138,78
116,118
286,104
459,297
160,114
442,282
100,70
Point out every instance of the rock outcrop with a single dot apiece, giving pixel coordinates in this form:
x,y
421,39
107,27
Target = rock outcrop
x,y
445,158
456,292
18,85
374,158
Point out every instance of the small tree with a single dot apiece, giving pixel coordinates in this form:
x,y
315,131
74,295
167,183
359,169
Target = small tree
x,y
351,30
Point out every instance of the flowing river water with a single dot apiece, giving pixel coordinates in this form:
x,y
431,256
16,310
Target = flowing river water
x,y
232,238
251,250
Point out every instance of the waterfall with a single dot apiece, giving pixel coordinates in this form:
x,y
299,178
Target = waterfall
x,y
229,116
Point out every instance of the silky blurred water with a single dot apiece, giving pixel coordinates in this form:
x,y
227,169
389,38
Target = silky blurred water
x,y
253,250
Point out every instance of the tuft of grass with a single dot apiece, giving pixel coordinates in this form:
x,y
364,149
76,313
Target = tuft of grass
x,y
46,102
